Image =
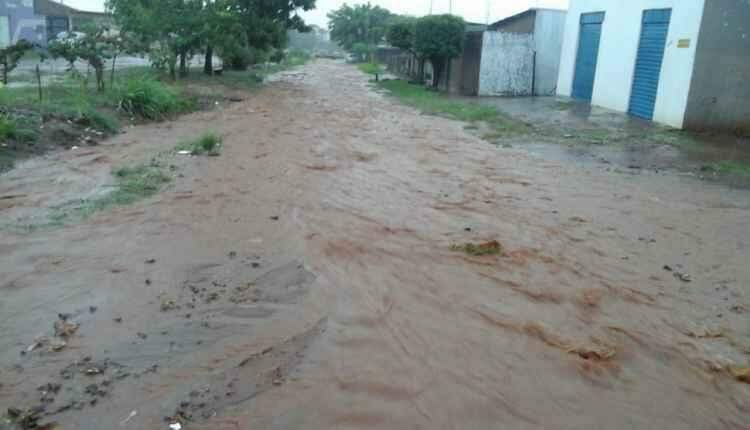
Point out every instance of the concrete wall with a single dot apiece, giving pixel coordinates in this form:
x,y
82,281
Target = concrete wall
x,y
618,48
549,28
720,89
522,23
23,23
507,64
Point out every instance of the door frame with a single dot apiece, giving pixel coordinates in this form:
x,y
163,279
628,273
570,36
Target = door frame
x,y
581,22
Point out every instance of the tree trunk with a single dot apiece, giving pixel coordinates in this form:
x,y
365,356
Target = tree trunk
x,y
99,71
183,64
437,72
420,71
208,64
112,78
5,73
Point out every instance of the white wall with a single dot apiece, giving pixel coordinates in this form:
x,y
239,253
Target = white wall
x,y
618,48
507,64
549,28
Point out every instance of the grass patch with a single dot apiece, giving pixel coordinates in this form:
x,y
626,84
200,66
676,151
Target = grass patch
x,y
371,68
564,105
149,99
133,183
735,168
435,103
478,249
8,129
208,144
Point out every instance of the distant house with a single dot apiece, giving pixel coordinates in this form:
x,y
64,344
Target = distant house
x,y
685,63
521,54
38,21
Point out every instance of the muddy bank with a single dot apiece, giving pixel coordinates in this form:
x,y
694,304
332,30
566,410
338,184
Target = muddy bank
x,y
315,275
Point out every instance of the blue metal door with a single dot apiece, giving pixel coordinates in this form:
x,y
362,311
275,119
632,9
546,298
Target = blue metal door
x,y
654,31
588,53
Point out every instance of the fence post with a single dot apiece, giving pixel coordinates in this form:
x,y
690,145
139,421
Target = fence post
x,y
39,82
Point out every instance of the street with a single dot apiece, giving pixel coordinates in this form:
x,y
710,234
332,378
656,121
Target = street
x,y
314,276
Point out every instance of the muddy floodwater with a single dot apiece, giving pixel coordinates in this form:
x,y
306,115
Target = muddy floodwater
x,y
313,276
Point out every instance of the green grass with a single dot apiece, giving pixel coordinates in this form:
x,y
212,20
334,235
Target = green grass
x,y
726,167
432,102
208,144
8,129
488,248
133,183
149,99
371,68
564,105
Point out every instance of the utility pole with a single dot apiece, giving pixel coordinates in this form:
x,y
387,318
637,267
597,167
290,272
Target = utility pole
x,y
450,7
431,1
487,12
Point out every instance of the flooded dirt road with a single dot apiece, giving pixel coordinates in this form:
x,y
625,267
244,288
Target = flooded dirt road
x,y
307,278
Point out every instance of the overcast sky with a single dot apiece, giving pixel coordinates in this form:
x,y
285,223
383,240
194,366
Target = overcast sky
x,y
471,10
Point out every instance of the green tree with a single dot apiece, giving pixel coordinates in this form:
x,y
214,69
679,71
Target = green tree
x,y
358,26
402,34
11,55
94,47
439,38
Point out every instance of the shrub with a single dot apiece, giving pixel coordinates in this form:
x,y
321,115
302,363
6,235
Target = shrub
x,y
209,144
148,99
8,129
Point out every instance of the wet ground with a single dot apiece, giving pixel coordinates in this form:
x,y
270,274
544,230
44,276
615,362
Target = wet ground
x,y
313,276
576,131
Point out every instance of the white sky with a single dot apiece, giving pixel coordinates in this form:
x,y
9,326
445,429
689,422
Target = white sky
x,y
471,10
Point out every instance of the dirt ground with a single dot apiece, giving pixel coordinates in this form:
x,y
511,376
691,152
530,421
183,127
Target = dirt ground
x,y
308,278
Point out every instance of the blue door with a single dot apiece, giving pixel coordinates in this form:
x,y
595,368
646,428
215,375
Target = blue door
x,y
588,53
654,31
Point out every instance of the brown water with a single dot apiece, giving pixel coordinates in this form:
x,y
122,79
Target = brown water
x,y
351,310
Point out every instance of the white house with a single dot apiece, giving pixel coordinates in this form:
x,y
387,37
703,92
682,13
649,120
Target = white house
x,y
685,63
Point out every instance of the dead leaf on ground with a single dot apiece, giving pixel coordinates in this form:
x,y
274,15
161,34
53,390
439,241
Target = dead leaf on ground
x,y
742,374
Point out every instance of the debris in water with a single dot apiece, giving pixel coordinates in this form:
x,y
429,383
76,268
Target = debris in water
x,y
668,268
492,247
129,417
275,217
684,277
175,426
185,152
742,374
118,320
150,261
93,309
63,328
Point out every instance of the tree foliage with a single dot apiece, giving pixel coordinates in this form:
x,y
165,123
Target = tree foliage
x,y
177,29
94,46
439,38
11,55
359,26
402,33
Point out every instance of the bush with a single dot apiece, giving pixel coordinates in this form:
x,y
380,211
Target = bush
x,y
8,129
278,56
371,68
242,57
209,144
148,99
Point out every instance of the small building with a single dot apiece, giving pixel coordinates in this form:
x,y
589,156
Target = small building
x,y
520,54
685,63
38,21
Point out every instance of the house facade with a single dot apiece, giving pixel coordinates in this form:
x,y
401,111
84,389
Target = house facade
x,y
684,63
38,21
521,54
